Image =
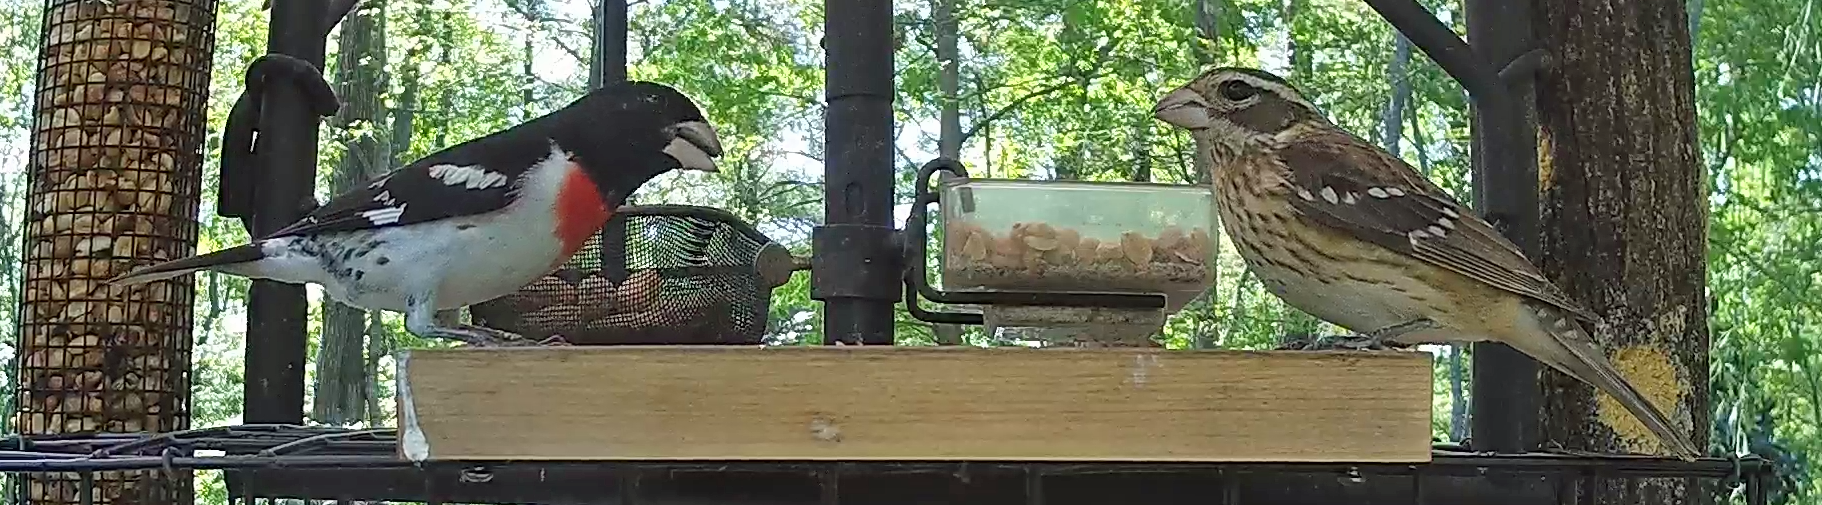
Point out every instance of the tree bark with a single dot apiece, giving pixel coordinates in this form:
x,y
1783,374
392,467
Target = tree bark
x,y
360,65
949,119
379,340
1623,217
113,184
1397,74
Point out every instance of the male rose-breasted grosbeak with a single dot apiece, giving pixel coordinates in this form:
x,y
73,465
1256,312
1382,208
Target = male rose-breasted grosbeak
x,y
1342,230
481,219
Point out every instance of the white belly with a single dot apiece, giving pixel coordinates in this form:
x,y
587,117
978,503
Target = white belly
x,y
465,261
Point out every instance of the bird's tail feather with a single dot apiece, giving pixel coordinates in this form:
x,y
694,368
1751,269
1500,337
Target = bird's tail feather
x,y
183,266
1576,354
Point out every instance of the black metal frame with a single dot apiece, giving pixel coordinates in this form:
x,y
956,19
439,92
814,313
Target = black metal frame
x,y
288,461
858,271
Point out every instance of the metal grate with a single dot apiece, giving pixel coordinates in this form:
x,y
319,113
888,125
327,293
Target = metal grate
x,y
658,274
115,175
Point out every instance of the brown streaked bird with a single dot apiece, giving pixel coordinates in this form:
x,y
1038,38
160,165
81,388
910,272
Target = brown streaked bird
x,y
1345,231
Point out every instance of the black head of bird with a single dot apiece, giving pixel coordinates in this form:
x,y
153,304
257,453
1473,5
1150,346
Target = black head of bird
x,y
621,135
601,126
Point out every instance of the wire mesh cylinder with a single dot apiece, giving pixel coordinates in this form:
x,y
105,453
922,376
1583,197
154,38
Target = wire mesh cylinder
x,y
117,133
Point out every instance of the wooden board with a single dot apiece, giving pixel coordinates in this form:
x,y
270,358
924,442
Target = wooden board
x,y
912,403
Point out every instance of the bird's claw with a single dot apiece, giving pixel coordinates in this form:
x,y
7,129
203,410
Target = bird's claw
x,y
1336,343
481,336
1383,339
1298,342
1386,337
554,340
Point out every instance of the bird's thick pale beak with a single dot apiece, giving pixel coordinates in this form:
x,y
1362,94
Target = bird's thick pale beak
x,y
695,146
1182,108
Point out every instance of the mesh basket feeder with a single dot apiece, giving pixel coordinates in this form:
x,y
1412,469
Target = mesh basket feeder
x,y
656,274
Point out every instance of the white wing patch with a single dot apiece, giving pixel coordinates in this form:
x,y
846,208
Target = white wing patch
x,y
385,197
469,176
384,216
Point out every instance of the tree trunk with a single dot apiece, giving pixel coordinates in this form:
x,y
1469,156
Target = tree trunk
x,y
113,184
1208,48
1624,216
361,61
949,119
379,341
1396,73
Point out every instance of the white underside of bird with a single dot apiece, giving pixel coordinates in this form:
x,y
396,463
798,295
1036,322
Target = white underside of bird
x,y
463,260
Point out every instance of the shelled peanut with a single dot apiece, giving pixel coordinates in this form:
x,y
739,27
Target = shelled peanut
x,y
121,80
1033,248
592,297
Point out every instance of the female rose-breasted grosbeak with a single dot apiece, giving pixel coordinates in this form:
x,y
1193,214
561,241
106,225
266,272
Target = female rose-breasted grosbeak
x,y
1342,230
481,219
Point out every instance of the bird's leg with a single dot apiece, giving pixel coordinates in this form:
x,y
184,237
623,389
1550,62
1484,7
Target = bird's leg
x,y
1382,335
420,320
1298,342
554,340
1376,340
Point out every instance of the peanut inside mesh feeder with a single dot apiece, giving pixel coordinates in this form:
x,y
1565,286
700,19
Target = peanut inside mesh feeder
x,y
1087,262
658,274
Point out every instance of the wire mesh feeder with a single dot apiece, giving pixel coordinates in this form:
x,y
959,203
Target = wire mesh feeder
x,y
114,182
657,274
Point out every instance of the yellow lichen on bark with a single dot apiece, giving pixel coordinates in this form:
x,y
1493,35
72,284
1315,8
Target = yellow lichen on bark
x,y
1653,372
1544,166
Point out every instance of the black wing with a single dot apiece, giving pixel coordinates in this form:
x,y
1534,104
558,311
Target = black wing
x,y
475,177
414,194
1394,207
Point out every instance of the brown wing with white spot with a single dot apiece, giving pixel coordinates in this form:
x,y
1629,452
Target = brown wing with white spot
x,y
1351,186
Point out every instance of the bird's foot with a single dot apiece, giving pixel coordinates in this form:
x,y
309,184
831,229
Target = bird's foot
x,y
1298,342
1337,343
554,340
1385,336
1383,339
481,336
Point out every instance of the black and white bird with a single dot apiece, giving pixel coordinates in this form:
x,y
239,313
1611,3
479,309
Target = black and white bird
x,y
481,219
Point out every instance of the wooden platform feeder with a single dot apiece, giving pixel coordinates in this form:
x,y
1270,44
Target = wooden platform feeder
x,y
913,403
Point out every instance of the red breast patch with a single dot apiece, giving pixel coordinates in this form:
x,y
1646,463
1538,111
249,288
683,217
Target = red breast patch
x,y
580,211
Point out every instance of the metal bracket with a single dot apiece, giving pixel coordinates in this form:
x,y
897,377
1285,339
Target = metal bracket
x,y
837,246
240,159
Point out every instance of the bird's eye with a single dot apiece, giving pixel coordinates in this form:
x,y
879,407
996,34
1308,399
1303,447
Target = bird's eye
x,y
1237,91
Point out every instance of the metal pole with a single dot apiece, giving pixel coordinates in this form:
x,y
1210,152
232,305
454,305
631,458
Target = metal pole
x,y
276,311
1505,384
1505,390
856,268
611,39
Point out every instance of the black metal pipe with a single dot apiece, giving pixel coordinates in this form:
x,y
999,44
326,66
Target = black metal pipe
x,y
610,43
1437,41
1460,466
855,267
276,311
1505,385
